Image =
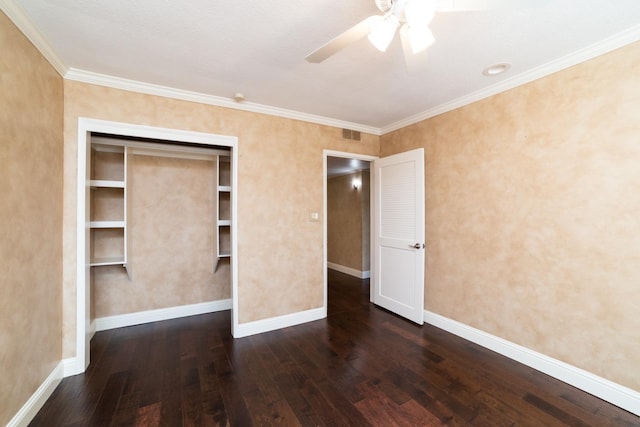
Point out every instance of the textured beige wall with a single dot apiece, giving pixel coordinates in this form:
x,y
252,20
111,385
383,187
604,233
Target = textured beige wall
x,y
31,212
172,240
347,219
533,214
279,185
344,222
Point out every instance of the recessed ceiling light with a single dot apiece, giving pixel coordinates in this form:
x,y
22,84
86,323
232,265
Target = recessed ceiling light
x,y
495,69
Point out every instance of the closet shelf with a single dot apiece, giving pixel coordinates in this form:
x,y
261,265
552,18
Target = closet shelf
x,y
106,224
223,213
107,261
102,183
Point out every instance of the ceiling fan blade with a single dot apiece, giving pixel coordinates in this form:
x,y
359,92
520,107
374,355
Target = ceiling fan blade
x,y
406,48
466,5
353,34
413,61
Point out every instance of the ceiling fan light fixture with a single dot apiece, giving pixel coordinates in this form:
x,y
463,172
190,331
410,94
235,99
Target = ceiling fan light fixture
x,y
420,12
382,34
420,37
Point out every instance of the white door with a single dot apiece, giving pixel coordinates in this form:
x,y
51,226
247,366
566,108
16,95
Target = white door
x,y
398,238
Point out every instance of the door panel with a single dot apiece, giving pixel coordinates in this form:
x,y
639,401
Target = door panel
x,y
391,276
398,278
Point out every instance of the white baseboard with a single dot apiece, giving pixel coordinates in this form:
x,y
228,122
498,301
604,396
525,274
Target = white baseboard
x,y
70,367
602,388
141,317
30,409
350,271
273,323
92,329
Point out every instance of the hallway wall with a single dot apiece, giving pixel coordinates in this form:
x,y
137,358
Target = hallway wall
x,y
348,213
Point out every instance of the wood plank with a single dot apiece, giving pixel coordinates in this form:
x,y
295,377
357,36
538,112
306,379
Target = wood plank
x,y
148,416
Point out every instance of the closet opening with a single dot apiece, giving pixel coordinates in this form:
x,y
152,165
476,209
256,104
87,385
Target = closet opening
x,y
156,227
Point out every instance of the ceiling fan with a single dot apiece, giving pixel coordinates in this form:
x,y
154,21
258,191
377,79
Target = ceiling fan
x,y
412,17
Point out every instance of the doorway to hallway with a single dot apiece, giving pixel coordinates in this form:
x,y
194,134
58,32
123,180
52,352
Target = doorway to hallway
x,y
347,214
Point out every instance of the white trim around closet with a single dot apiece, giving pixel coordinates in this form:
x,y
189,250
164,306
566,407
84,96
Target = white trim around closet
x,y
86,126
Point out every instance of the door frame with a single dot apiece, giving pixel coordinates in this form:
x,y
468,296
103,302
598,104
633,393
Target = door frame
x,y
344,155
83,289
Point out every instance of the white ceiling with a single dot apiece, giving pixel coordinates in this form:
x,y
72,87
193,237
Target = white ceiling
x,y
217,48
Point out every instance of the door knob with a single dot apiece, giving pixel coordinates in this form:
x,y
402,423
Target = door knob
x,y
417,246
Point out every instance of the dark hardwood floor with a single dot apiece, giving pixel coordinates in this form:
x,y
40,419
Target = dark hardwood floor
x,y
360,366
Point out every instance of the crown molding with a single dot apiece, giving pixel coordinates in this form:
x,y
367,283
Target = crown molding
x,y
17,16
185,95
600,48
